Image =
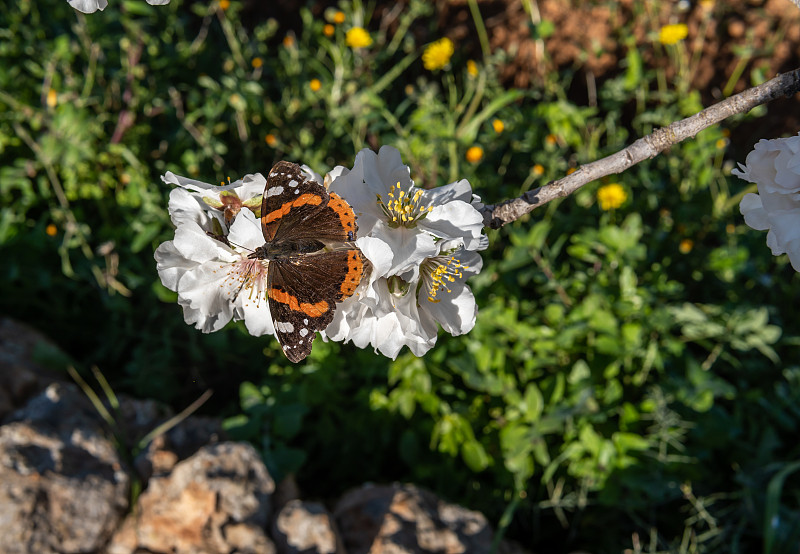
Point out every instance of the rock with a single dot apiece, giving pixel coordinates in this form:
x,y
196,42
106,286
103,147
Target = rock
x,y
20,375
176,444
306,527
62,487
404,519
216,501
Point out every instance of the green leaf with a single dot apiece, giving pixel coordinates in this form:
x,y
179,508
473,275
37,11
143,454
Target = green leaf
x,y
475,455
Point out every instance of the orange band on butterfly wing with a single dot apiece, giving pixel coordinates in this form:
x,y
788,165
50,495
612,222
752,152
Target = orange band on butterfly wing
x,y
311,310
344,211
355,270
302,200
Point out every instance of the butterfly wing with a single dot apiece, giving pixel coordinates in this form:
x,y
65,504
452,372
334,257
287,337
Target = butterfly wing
x,y
303,294
290,199
295,207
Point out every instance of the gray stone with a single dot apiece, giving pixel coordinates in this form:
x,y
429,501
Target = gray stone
x,y
305,528
62,486
20,375
400,519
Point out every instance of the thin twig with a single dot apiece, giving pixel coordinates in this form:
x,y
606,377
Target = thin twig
x,y
497,215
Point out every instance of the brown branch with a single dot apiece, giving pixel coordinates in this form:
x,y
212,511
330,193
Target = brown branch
x,y
497,215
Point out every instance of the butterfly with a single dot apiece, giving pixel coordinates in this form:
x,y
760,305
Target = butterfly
x,y
312,261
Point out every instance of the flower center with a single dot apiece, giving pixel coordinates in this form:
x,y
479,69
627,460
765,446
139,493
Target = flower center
x,y
249,274
403,209
439,271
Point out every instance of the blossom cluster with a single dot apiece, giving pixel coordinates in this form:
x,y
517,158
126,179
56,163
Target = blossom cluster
x,y
774,166
422,244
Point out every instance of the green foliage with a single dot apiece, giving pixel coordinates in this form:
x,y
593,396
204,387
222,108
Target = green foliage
x,y
629,372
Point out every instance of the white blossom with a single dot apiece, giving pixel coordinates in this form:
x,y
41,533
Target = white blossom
x,y
408,219
203,202
88,6
421,245
774,165
215,280
91,6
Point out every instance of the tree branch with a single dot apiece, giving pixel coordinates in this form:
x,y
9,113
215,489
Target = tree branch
x,y
497,215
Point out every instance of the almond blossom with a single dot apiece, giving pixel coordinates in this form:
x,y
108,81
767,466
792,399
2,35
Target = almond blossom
x,y
774,165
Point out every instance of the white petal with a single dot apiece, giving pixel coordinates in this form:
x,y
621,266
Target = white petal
x,y
251,185
784,224
258,319
386,170
455,311
774,245
334,174
201,289
460,190
194,244
191,184
157,2
455,219
311,174
379,253
246,231
753,211
171,265
185,206
88,6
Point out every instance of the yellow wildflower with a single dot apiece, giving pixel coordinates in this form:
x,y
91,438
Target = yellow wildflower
x,y
498,126
472,68
315,85
438,54
611,196
571,170
224,4
538,170
550,140
358,37
328,30
474,154
271,140
288,41
686,246
338,18
51,230
52,98
257,62
673,34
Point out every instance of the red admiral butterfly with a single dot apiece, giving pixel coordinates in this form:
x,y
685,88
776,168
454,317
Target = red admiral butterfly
x,y
312,261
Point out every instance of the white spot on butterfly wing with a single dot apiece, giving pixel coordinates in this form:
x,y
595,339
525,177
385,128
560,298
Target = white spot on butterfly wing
x,y
293,183
303,332
284,326
274,191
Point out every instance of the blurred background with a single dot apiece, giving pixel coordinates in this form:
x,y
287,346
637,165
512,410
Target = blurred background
x,y
633,370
